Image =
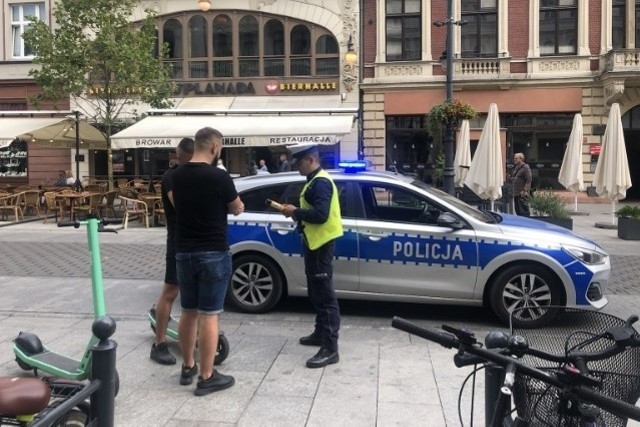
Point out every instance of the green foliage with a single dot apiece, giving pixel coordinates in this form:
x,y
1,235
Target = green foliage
x,y
547,203
447,113
95,46
628,211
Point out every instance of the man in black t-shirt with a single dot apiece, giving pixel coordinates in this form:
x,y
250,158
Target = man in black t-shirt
x,y
203,195
159,351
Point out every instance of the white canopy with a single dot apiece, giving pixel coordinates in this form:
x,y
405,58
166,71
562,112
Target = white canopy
x,y
11,127
240,128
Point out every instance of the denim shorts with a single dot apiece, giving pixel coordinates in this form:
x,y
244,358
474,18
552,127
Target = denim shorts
x,y
203,278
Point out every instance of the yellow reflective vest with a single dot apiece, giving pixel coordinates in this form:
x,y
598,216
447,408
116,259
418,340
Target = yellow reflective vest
x,y
319,234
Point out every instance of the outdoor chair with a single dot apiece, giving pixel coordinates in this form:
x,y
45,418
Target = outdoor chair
x,y
12,203
53,205
89,207
31,201
108,204
95,188
134,208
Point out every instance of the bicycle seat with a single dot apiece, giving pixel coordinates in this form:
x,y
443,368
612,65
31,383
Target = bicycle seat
x,y
23,396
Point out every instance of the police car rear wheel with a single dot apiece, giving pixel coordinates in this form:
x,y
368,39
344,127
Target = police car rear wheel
x,y
256,284
531,289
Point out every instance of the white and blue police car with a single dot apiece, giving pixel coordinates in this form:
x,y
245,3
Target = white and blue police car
x,y
406,241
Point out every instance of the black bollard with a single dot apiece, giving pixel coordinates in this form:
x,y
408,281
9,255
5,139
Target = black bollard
x,y
103,368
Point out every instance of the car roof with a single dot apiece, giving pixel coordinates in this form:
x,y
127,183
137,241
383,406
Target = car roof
x,y
253,181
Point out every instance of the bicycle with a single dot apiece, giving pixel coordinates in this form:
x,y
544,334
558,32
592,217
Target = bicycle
x,y
591,383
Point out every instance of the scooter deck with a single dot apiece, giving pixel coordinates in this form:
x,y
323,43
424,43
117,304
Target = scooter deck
x,y
59,361
172,326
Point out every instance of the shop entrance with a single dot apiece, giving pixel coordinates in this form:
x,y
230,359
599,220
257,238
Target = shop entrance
x,y
631,125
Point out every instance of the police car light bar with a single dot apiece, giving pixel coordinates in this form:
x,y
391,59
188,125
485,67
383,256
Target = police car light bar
x,y
353,166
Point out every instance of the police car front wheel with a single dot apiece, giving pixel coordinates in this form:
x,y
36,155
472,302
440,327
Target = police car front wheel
x,y
256,284
528,287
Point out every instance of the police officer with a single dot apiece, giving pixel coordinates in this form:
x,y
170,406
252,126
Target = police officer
x,y
320,224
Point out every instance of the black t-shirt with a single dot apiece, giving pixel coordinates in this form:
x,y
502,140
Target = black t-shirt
x,y
201,193
169,211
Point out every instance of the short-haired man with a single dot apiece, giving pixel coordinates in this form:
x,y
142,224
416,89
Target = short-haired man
x,y
521,180
203,195
320,223
160,351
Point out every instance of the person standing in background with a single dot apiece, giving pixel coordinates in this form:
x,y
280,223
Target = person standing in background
x,y
521,181
284,163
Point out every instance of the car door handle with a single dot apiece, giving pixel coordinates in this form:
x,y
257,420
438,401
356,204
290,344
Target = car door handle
x,y
283,229
372,235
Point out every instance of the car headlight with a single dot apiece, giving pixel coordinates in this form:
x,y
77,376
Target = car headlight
x,y
587,256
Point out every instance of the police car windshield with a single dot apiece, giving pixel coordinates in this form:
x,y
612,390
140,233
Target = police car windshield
x,y
457,203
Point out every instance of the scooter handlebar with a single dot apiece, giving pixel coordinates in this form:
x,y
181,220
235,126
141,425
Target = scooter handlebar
x,y
107,221
75,224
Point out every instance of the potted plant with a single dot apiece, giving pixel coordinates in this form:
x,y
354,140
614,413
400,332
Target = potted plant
x,y
629,222
547,206
449,112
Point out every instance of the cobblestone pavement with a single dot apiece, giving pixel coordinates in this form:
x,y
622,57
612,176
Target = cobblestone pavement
x,y
146,261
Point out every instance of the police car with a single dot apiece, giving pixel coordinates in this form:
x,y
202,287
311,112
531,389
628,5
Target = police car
x,y
406,241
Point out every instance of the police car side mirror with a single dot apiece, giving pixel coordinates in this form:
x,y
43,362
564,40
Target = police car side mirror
x,y
447,219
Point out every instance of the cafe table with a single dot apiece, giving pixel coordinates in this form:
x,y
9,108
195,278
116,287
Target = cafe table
x,y
71,199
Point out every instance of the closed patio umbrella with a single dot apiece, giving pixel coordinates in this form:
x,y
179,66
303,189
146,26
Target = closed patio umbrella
x,y
462,160
486,173
571,175
612,178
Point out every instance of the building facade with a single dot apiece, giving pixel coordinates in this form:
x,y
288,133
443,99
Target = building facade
x,y
239,56
540,61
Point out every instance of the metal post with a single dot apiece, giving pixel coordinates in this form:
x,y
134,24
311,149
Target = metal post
x,y
78,184
448,173
103,369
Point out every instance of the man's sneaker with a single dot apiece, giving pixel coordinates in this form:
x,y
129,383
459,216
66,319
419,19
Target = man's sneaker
x,y
160,353
187,374
216,382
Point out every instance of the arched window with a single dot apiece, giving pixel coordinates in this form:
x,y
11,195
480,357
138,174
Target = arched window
x,y
222,34
172,36
300,51
198,47
327,62
249,61
274,48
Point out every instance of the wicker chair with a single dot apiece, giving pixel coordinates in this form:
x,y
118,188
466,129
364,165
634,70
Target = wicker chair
x,y
134,208
108,204
53,205
12,203
31,201
91,206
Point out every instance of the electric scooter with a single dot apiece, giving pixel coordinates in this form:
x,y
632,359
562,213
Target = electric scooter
x,y
31,354
172,332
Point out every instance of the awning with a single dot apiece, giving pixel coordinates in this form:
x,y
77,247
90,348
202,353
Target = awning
x,y
240,128
11,127
63,135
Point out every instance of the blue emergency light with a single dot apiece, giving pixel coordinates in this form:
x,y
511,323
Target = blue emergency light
x,y
353,166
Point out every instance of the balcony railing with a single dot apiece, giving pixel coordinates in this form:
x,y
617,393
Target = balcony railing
x,y
619,60
481,67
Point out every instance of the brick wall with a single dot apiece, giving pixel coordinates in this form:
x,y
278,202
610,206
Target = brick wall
x,y
518,28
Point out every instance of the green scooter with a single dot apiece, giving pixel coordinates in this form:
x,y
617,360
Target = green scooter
x,y
31,354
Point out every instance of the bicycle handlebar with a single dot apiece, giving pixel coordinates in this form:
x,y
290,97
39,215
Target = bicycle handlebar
x,y
584,393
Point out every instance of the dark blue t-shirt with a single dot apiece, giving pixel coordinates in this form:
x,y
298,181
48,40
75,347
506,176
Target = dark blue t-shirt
x,y
201,193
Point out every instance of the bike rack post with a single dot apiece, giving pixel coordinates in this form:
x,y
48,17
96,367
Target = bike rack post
x,y
493,376
103,368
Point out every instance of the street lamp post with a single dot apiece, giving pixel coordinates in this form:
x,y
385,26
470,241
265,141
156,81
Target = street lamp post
x,y
448,174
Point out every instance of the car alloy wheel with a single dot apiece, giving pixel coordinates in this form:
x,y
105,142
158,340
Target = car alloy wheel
x,y
256,285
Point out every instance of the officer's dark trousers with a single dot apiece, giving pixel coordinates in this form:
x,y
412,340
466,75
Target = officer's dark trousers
x,y
319,270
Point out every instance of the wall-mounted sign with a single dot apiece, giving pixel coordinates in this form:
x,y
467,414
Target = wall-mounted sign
x,y
595,149
239,141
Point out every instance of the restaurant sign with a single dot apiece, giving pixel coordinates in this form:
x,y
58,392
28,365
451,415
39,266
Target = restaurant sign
x,y
232,141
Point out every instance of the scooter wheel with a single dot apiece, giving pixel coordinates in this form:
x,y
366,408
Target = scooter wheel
x,y
222,350
23,365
